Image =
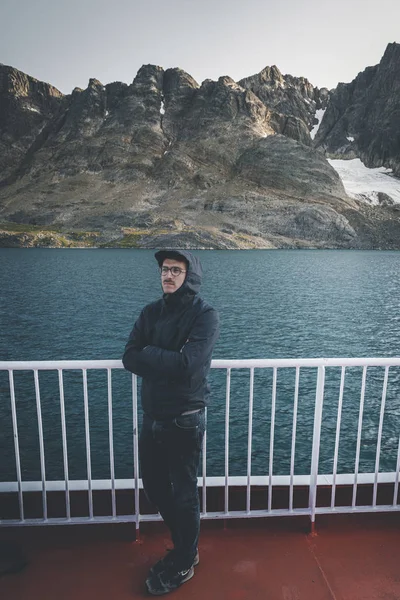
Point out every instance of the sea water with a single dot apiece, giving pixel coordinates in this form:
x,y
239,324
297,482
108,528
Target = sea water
x,y
82,303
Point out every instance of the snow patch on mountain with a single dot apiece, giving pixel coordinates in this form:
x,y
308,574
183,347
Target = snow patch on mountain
x,y
363,183
32,108
318,115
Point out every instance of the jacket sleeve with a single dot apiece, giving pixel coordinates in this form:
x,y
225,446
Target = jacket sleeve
x,y
196,352
136,343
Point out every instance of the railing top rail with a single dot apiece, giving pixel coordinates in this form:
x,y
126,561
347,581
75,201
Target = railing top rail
x,y
257,363
49,365
304,362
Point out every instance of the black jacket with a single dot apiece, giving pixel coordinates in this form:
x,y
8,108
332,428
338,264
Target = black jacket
x,y
171,346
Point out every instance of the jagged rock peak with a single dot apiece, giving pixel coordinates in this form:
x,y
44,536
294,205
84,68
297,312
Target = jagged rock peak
x,y
27,106
272,74
362,118
20,84
178,80
95,83
147,73
228,81
288,96
210,86
179,75
271,77
179,90
391,54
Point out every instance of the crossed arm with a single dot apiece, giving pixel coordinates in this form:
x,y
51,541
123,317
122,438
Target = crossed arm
x,y
152,362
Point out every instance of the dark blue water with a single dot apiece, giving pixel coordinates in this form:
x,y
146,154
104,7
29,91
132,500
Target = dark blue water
x,y
81,304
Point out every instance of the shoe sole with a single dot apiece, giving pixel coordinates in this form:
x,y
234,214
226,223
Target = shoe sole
x,y
163,592
153,571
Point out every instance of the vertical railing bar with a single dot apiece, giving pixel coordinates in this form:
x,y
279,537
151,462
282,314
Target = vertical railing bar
x,y
319,402
337,438
396,483
87,432
16,445
204,469
294,431
111,442
41,444
136,449
249,440
227,409
359,431
64,441
379,441
271,439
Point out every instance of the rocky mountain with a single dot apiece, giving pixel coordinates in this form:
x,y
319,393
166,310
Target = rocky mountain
x,y
26,107
294,100
168,162
363,117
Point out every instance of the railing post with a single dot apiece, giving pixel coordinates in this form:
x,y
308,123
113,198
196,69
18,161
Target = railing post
x,y
319,400
227,411
136,454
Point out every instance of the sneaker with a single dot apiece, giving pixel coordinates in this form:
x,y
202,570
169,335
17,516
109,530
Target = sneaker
x,y
167,561
168,580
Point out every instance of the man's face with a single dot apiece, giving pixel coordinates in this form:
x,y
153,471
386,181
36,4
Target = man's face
x,y
170,282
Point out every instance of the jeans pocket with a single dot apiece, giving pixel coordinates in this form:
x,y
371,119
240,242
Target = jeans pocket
x,y
188,422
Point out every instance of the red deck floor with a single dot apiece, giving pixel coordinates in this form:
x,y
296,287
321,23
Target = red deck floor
x,y
350,558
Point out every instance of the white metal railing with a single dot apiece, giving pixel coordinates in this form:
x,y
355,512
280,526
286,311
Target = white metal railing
x,y
312,480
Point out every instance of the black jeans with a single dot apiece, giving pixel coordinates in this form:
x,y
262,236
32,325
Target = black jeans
x,y
169,454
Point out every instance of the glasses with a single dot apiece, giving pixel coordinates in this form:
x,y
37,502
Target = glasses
x,y
175,271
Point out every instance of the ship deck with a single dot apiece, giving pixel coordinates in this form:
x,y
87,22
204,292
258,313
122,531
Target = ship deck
x,y
350,557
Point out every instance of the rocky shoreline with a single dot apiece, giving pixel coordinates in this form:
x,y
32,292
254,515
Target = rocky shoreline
x,y
177,235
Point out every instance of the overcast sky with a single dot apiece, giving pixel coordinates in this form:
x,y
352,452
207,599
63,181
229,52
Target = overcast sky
x,y
67,42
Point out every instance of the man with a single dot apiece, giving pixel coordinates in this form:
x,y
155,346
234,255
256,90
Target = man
x,y
170,347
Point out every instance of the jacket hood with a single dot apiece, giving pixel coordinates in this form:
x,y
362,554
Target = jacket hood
x,y
194,274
